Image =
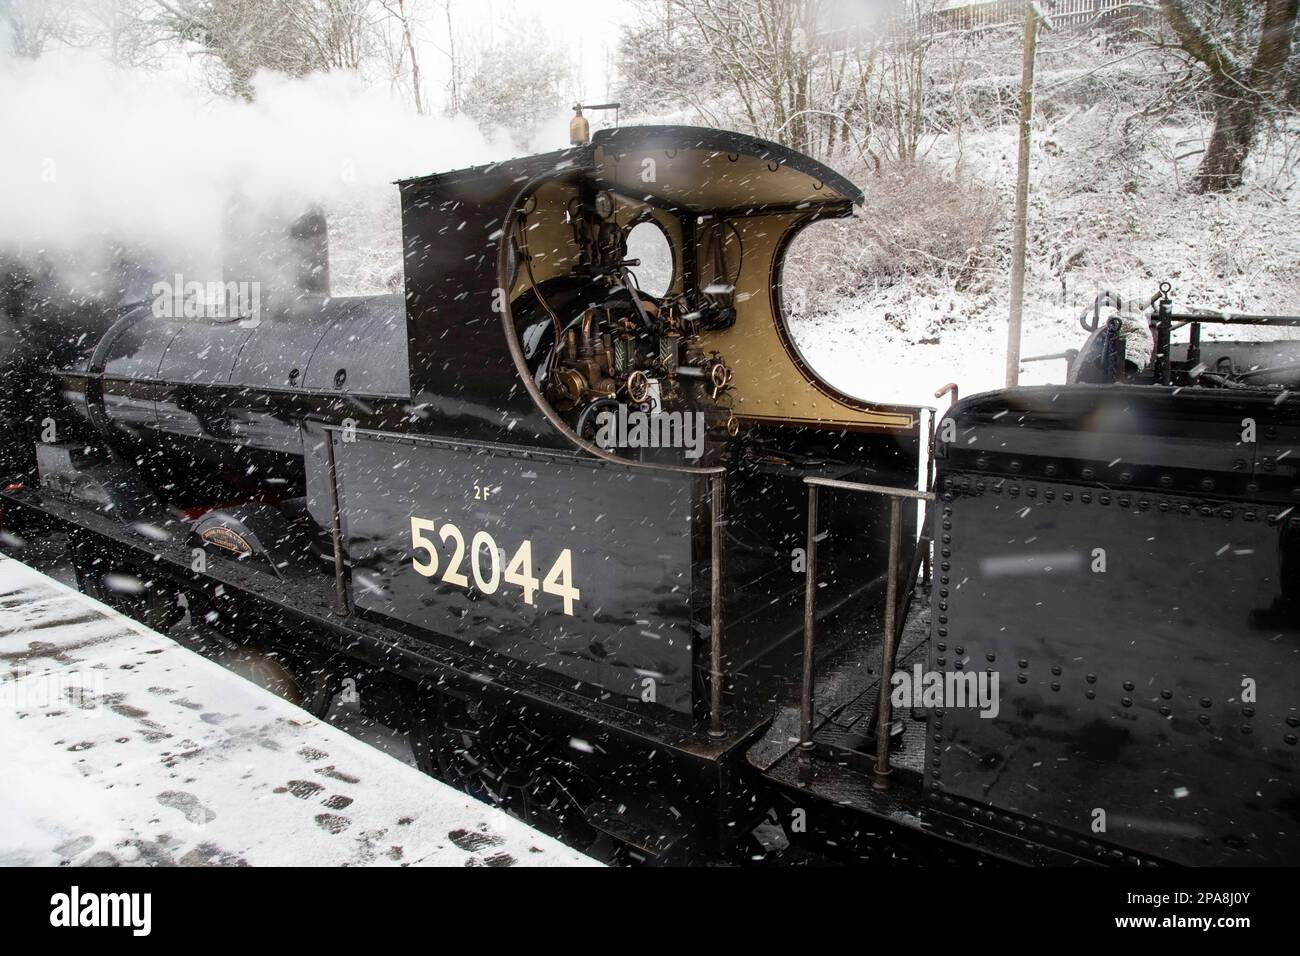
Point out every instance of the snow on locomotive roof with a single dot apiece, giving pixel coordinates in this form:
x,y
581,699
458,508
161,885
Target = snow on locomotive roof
x,y
121,746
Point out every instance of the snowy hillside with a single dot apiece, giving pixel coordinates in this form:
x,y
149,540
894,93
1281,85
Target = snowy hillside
x,y
1239,252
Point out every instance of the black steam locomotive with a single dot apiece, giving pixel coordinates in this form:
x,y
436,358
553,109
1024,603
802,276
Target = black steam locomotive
x,y
1084,597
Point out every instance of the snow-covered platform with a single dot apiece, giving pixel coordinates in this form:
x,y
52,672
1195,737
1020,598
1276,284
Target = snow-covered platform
x,y
119,746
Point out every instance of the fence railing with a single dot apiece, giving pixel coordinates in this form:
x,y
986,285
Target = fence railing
x,y
1064,14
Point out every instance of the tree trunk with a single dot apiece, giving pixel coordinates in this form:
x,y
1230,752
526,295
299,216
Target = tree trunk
x,y
1236,118
415,63
1242,91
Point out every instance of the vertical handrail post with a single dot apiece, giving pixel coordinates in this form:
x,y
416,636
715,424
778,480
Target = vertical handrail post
x,y
809,624
715,608
888,650
336,530
889,647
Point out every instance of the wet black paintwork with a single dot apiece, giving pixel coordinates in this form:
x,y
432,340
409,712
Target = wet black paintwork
x,y
1136,437
630,535
1122,689
464,381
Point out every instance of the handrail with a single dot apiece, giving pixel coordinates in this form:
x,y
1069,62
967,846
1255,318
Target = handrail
x,y
890,490
717,521
896,496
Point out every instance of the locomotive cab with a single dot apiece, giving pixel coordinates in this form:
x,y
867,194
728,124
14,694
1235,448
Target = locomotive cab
x,y
651,279
616,306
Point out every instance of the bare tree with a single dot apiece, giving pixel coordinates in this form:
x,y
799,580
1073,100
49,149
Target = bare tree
x,y
517,84
1242,88
665,65
338,32
903,92
34,24
127,32
819,75
402,12
456,67
767,50
295,37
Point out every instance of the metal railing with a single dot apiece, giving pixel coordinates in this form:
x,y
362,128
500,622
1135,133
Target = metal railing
x,y
718,522
890,639
1064,14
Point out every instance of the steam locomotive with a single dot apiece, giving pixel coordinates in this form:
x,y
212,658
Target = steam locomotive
x,y
654,648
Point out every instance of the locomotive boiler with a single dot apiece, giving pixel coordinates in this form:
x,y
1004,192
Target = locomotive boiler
x,y
652,644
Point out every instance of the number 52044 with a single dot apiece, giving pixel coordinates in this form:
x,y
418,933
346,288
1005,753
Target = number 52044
x,y
484,558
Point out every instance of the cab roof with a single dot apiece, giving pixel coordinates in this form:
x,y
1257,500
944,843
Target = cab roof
x,y
685,168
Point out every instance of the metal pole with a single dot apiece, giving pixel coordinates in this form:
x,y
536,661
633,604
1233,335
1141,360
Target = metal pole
x,y
924,542
888,650
336,530
715,616
809,619
1022,196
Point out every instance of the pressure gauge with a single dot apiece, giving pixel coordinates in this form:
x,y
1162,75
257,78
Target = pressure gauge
x,y
604,204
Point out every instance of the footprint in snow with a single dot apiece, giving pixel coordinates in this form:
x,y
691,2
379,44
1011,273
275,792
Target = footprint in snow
x,y
187,804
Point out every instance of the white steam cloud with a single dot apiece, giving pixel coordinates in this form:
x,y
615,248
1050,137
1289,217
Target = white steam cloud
x,y
94,154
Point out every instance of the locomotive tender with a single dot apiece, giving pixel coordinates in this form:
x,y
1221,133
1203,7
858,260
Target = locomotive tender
x,y
649,650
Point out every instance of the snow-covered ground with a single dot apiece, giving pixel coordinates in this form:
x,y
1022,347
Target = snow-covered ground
x,y
120,747
864,356
1094,224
